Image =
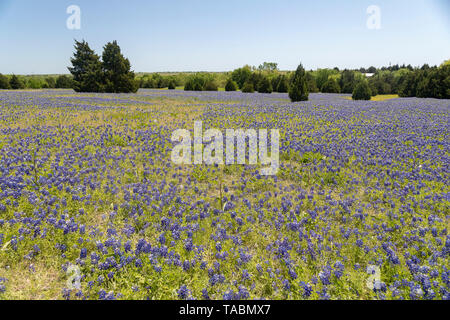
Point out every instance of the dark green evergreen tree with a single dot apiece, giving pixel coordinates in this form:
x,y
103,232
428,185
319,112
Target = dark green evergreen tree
x,y
172,84
86,69
283,85
231,85
16,83
298,90
4,82
409,85
248,87
264,85
275,81
117,74
347,81
255,79
311,82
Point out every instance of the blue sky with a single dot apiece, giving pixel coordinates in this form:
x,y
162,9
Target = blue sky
x,y
210,35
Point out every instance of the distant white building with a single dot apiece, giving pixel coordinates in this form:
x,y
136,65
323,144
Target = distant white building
x,y
368,75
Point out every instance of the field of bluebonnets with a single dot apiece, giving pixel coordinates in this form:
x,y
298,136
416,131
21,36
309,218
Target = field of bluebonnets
x,y
91,207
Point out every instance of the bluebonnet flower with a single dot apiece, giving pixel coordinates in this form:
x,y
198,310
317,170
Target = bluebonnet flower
x,y
286,285
83,253
205,294
339,269
307,289
183,292
229,295
324,275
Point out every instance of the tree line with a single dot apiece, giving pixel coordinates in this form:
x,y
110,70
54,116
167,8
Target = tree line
x,y
406,81
35,82
112,74
363,83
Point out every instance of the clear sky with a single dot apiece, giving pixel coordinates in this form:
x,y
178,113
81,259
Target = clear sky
x,y
212,35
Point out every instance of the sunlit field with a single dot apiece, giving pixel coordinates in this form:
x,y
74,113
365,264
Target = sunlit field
x,y
88,188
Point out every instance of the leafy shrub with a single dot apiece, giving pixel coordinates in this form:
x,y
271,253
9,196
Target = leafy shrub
x,y
283,85
63,81
330,86
347,81
201,82
195,83
231,85
16,83
362,91
241,76
51,82
172,85
248,87
264,85
4,82
211,85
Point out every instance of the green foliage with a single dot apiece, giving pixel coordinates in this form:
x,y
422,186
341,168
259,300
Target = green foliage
x,y
86,69
382,82
116,68
111,75
255,79
195,83
362,91
322,76
372,69
4,82
248,87
35,83
264,85
427,83
434,83
211,85
298,90
51,82
241,75
201,82
280,83
330,86
347,81
268,66
146,83
231,85
64,82
16,83
311,82
283,84
172,84
158,81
